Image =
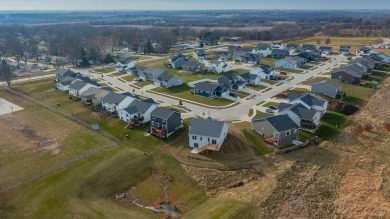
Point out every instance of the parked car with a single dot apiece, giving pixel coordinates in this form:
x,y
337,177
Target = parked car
x,y
233,94
272,107
268,110
283,73
274,78
349,58
138,79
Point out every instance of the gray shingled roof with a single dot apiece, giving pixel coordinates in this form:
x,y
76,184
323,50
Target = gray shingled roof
x,y
302,112
279,51
206,86
312,100
250,76
113,98
90,92
330,82
279,122
163,113
206,127
166,77
191,63
77,85
141,105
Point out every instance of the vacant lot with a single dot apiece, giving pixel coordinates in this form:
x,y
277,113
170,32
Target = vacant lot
x,y
183,91
22,134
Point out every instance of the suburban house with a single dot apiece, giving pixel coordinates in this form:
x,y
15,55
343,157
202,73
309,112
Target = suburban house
x,y
233,49
246,49
64,84
165,122
383,57
150,74
210,90
123,66
135,70
307,119
167,81
217,67
221,55
279,53
136,113
63,73
365,51
264,72
176,61
115,102
310,101
250,78
192,67
78,87
286,63
263,49
344,50
247,57
232,82
308,47
346,76
291,48
280,130
310,56
326,50
277,46
199,54
206,134
330,88
300,61
93,96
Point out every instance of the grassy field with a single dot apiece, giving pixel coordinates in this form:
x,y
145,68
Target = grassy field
x,y
241,94
258,145
268,61
357,95
22,134
105,70
300,89
288,70
183,91
313,80
271,82
118,74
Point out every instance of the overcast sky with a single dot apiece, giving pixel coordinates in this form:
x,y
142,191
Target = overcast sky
x,y
189,4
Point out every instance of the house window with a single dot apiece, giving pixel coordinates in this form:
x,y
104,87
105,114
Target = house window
x,y
213,141
196,145
153,117
201,138
193,137
288,133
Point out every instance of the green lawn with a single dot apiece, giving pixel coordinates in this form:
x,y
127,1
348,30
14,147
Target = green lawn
x,y
271,82
268,104
183,92
143,83
332,125
357,95
306,66
129,78
288,70
118,74
268,61
105,70
258,144
311,81
256,87
300,89
305,136
259,113
241,94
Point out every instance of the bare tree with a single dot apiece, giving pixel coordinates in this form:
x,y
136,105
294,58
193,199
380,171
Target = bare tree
x,y
327,41
318,41
6,74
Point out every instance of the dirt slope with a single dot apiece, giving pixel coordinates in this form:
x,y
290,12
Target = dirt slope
x,y
348,178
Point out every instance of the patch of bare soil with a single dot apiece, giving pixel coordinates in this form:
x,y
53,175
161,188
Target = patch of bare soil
x,y
345,178
343,108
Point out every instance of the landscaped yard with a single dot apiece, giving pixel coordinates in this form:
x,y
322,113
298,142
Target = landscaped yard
x,y
268,61
183,91
268,104
241,94
256,87
271,82
105,70
332,124
300,89
129,78
357,95
118,74
143,83
289,70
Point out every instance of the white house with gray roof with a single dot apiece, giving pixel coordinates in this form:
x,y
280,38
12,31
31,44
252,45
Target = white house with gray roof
x,y
252,79
307,119
310,101
115,102
137,112
264,72
279,130
263,50
205,132
150,74
217,67
78,87
64,84
286,63
167,81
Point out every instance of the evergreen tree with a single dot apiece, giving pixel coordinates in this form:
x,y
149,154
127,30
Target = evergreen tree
x,y
108,59
83,57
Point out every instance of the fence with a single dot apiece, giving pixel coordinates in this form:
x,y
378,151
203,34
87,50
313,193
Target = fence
x,y
54,168
73,119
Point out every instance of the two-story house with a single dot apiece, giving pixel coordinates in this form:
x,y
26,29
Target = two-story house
x,y
165,122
